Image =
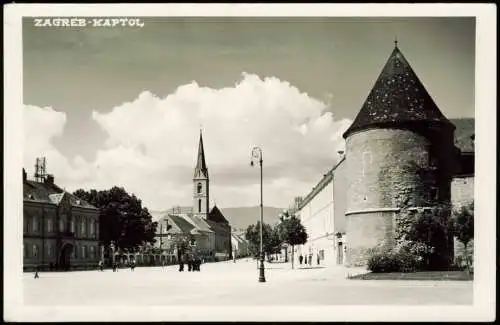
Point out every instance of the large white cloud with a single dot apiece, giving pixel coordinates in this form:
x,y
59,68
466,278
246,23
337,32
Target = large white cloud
x,y
41,126
152,143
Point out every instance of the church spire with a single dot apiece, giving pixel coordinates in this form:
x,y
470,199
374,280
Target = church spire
x,y
201,170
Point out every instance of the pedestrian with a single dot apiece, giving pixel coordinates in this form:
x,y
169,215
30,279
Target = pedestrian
x,y
301,258
181,263
310,259
36,272
132,265
317,258
190,263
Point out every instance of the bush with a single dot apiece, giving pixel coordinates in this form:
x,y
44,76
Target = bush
x,y
393,261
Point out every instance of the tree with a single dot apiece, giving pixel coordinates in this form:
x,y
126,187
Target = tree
x,y
427,234
181,243
463,226
122,218
291,231
270,239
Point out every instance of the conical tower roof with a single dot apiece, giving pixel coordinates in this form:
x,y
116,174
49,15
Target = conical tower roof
x,y
398,97
201,170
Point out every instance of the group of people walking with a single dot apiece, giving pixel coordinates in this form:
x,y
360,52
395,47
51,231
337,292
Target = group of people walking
x,y
193,262
307,259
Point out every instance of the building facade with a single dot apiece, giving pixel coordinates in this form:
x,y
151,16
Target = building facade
x,y
401,154
322,214
60,232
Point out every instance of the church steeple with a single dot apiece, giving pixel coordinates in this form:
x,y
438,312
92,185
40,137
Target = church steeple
x,y
201,184
201,170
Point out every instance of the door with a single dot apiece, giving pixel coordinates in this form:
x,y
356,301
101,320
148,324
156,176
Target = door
x,y
65,257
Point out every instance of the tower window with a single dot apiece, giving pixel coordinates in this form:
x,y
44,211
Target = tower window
x,y
199,205
198,188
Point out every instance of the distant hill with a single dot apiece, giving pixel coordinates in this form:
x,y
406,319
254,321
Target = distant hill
x,y
240,217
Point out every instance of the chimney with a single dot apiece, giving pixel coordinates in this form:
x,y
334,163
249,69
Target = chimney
x,y
49,179
25,176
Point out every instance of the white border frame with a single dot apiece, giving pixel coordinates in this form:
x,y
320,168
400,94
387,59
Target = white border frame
x,y
483,308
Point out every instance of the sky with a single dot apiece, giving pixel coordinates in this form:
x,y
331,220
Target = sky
x,y
124,106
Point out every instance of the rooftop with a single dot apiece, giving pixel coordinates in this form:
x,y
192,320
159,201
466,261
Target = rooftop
x,y
398,96
49,192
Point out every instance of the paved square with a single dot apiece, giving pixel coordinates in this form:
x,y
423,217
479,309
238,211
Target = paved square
x,y
228,283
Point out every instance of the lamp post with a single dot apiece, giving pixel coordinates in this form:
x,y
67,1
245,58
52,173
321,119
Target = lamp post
x,y
257,154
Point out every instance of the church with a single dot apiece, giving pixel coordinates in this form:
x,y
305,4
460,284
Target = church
x,y
208,226
401,154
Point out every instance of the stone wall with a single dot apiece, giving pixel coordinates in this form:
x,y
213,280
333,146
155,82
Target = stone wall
x,y
367,231
384,169
378,163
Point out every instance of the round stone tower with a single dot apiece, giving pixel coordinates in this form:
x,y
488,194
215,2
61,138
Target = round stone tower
x,y
399,153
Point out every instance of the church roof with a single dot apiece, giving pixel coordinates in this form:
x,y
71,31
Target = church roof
x,y
218,227
180,223
201,170
217,216
199,223
397,97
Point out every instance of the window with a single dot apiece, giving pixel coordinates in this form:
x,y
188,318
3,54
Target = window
x,y
84,251
92,228
61,225
34,250
199,205
74,253
92,252
49,250
35,224
198,188
25,251
83,228
72,226
50,225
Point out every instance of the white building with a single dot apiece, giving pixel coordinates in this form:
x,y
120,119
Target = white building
x,y
322,212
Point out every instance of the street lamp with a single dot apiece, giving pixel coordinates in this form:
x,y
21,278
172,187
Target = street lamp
x,y
257,154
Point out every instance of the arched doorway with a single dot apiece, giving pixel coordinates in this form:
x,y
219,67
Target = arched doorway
x,y
65,257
